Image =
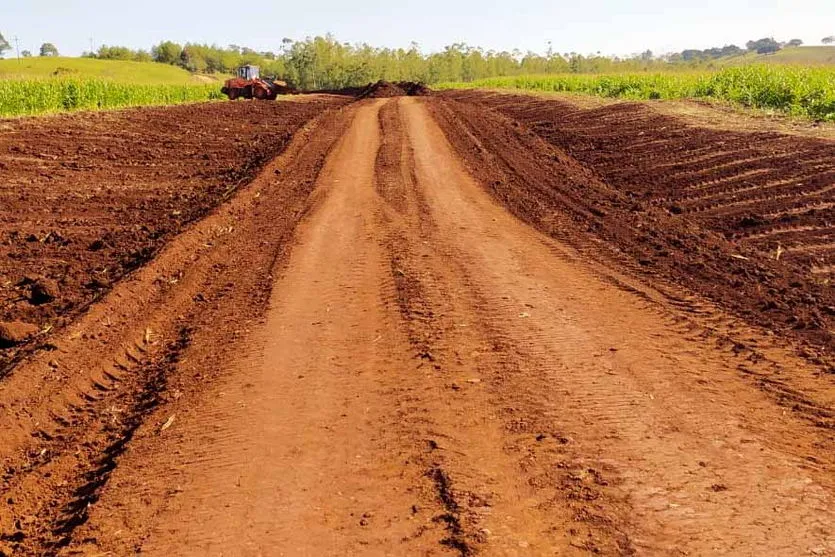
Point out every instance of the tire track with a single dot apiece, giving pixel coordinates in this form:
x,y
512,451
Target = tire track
x,y
494,501
315,418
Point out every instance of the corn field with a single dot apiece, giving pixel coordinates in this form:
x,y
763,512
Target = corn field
x,y
805,92
27,97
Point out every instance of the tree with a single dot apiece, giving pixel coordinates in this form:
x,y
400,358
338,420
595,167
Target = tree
x,y
142,56
730,50
828,40
167,52
4,45
49,49
115,53
193,58
795,42
26,53
764,46
691,54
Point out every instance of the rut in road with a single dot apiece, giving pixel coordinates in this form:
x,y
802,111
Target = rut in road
x,y
435,377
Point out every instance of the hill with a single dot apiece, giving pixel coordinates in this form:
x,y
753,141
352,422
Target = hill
x,y
800,55
116,70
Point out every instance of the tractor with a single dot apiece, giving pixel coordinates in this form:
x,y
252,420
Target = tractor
x,y
249,84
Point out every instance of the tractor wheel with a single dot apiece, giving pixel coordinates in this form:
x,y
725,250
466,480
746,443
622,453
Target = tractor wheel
x,y
259,93
233,94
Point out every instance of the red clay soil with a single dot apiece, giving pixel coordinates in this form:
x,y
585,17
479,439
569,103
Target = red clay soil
x,y
70,412
384,90
700,208
362,351
90,197
432,377
414,89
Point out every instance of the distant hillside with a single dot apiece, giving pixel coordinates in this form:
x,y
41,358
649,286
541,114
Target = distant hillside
x,y
800,55
116,70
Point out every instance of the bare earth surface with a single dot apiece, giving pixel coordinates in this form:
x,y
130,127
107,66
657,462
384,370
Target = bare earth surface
x,y
402,339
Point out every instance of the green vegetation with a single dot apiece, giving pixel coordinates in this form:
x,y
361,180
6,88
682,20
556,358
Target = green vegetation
x,y
49,49
807,92
55,84
85,68
4,44
802,55
171,72
326,63
25,97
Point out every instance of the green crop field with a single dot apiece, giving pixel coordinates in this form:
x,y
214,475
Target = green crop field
x,y
20,97
45,84
90,68
805,92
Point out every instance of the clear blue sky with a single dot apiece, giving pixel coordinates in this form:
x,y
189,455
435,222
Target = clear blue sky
x,y
609,26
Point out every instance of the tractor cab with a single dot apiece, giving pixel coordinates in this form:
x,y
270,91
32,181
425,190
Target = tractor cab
x,y
248,72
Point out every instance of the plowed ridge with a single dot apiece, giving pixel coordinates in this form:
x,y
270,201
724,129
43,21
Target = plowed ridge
x,y
746,219
89,198
767,185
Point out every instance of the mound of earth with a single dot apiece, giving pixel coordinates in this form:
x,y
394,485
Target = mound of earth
x,y
414,89
384,89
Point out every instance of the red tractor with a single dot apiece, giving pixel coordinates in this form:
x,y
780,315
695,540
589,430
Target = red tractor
x,y
249,85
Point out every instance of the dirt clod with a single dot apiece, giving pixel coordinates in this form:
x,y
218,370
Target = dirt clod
x,y
43,291
16,332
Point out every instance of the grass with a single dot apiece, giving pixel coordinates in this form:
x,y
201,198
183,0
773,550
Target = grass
x,y
805,92
144,73
38,96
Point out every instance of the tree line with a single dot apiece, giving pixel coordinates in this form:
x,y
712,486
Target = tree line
x,y
326,63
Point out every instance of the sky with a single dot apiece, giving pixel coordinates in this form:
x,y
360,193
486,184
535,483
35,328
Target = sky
x,y
611,27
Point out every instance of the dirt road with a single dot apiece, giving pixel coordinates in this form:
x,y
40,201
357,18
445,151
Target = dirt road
x,y
434,376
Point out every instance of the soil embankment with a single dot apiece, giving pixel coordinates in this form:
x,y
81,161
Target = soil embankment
x,y
743,219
